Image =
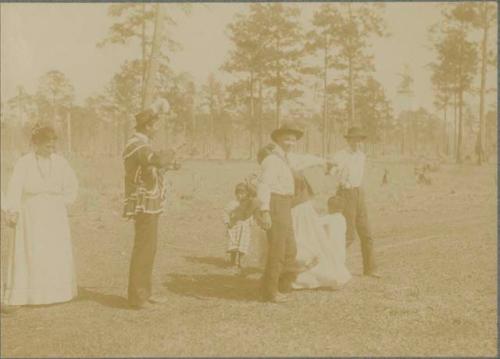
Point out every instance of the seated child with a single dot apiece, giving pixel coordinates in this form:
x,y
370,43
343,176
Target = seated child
x,y
238,218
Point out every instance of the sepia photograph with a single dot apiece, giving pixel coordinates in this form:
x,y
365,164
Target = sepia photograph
x,y
249,179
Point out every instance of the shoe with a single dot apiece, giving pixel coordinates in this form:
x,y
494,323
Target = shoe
x,y
278,298
158,300
374,275
145,305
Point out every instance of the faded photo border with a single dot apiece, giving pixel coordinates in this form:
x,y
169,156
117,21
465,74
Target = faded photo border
x,y
194,284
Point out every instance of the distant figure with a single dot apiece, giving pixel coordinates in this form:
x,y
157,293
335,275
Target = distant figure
x,y
385,178
238,219
145,193
40,267
349,165
421,175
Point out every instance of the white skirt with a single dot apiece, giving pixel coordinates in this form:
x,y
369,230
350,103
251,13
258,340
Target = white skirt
x,y
39,266
316,244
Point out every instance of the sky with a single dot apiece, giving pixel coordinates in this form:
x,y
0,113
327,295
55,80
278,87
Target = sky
x,y
36,38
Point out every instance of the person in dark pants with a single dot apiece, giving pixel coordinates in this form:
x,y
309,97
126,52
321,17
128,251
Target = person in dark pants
x,y
349,164
144,202
275,192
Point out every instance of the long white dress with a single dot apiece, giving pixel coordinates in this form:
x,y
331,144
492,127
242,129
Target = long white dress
x,y
320,240
40,267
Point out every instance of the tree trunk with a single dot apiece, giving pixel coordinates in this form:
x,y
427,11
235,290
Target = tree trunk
x,y
460,101
455,122
484,53
325,98
308,141
228,135
166,135
351,119
143,46
446,142
260,113
118,138
194,133
278,86
416,146
68,134
251,145
460,127
384,139
252,104
403,145
154,62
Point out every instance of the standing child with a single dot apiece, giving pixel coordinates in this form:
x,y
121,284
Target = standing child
x,y
238,218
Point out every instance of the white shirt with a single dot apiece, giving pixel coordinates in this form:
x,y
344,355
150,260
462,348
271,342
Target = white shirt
x,y
277,177
349,167
143,137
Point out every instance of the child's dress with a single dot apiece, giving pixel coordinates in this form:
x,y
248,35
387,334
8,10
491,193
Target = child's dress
x,y
240,231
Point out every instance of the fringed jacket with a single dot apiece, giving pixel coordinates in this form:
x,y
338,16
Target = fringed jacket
x,y
144,181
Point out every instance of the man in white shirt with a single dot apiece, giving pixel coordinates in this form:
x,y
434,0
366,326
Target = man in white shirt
x,y
349,165
275,192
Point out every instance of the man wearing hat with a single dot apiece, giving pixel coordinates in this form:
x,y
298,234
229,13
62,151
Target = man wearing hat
x,y
275,192
144,200
349,164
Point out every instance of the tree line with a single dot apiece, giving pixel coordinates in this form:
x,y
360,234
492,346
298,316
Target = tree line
x,y
319,75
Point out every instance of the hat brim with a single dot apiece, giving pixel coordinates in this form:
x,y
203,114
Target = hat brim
x,y
149,121
280,132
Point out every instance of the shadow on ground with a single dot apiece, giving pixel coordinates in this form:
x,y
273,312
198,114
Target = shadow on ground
x,y
220,262
108,300
214,261
221,286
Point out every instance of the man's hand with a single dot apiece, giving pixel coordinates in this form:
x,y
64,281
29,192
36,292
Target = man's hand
x,y
330,165
266,220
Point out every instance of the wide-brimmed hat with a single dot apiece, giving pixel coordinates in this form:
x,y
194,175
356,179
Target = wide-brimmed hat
x,y
145,117
43,132
355,132
286,128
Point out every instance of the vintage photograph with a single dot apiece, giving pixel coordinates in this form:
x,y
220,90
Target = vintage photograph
x,y
249,179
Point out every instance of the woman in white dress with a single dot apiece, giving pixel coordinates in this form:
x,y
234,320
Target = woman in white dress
x,y
40,268
320,240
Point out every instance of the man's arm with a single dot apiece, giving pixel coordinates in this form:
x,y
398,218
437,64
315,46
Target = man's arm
x,y
301,161
162,159
268,174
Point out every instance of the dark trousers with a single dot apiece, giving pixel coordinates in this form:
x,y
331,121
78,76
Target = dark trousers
x,y
143,254
278,273
356,217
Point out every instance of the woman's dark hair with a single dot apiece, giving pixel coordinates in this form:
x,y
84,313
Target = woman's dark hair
x,y
42,133
336,204
241,187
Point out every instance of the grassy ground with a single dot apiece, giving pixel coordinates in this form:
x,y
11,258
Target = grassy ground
x,y
436,246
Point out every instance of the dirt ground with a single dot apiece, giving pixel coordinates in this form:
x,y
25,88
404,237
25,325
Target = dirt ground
x,y
436,246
